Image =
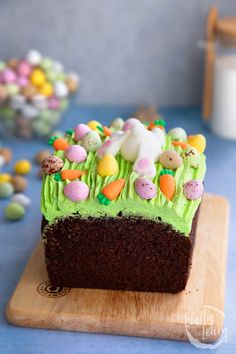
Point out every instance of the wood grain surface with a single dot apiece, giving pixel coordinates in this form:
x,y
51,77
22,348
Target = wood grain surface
x,y
198,311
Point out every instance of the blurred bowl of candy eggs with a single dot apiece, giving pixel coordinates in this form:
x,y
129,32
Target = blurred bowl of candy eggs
x,y
35,92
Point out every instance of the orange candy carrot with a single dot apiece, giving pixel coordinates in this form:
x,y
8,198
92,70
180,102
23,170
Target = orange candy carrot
x,y
69,174
106,131
182,144
160,123
111,191
167,183
58,143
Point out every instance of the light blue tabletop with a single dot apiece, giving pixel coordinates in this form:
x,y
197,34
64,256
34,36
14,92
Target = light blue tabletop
x,y
17,241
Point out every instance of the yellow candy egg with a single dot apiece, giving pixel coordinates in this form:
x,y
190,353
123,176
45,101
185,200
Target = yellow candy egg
x,y
46,89
93,124
198,142
107,166
22,167
5,177
37,77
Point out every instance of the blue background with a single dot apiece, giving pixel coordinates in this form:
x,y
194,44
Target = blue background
x,y
17,241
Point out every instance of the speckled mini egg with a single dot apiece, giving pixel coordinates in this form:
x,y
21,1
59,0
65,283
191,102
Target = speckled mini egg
x,y
24,68
191,156
14,211
5,177
107,166
76,191
22,167
93,124
21,199
145,188
52,164
91,141
34,57
6,190
117,123
8,76
6,153
37,77
193,189
76,153
42,155
177,134
80,131
197,141
171,159
19,183
60,89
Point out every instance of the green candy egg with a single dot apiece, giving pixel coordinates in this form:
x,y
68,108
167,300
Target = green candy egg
x,y
91,141
46,63
6,190
40,128
191,156
2,65
51,75
117,123
14,211
64,104
12,89
177,134
61,76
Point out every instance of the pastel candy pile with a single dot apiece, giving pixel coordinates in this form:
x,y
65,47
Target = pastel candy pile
x,y
76,153
52,164
76,191
34,93
145,188
193,189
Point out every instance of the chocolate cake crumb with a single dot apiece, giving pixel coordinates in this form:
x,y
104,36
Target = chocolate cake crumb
x,y
123,253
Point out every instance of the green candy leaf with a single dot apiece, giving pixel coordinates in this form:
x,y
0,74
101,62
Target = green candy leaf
x,y
166,172
52,139
57,177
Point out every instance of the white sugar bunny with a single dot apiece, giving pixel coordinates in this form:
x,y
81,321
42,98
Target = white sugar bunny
x,y
136,144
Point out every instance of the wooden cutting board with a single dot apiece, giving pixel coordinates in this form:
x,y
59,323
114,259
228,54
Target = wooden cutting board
x,y
194,312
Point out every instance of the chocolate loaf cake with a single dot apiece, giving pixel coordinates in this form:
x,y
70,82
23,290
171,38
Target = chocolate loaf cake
x,y
120,206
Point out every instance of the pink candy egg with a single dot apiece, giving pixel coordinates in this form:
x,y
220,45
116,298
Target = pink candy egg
x,y
76,191
80,131
54,103
22,81
145,188
24,68
76,153
193,189
8,76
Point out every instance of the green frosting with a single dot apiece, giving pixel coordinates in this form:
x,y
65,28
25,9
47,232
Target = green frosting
x,y
178,212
